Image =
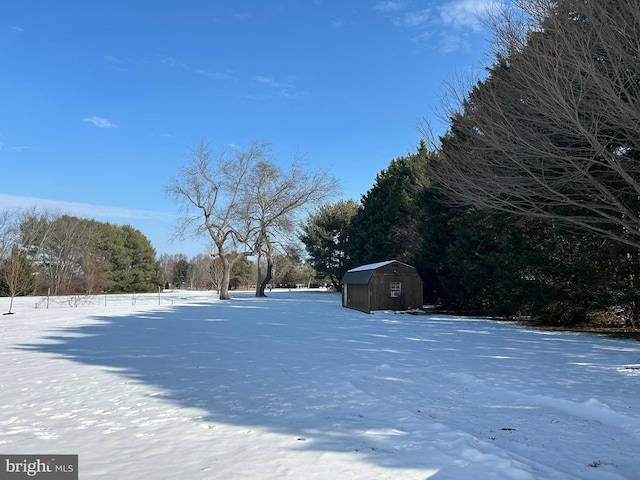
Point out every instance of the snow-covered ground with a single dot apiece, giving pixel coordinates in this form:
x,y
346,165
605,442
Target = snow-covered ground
x,y
183,386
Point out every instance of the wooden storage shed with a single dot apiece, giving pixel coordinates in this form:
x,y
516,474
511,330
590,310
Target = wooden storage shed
x,y
390,285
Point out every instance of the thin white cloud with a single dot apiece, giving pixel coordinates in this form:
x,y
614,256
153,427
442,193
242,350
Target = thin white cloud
x,y
287,87
84,210
297,94
238,15
14,148
338,23
115,63
270,81
288,81
388,6
100,122
466,14
452,42
417,18
451,25
112,59
226,75
16,29
173,62
401,15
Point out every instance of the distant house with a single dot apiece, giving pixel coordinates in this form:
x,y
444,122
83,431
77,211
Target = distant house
x,y
390,285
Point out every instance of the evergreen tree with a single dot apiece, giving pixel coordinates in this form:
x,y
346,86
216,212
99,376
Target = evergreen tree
x,y
325,236
386,225
181,273
242,273
502,265
134,267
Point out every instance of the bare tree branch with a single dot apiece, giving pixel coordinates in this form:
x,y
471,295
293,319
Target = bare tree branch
x,y
244,202
553,131
209,190
273,199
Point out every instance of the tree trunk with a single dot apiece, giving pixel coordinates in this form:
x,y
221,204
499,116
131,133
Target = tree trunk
x,y
336,282
10,306
226,277
267,278
259,289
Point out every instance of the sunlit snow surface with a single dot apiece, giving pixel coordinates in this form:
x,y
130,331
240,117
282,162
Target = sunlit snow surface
x,y
183,386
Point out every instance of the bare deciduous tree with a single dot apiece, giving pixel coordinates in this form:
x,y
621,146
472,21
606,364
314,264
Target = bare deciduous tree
x,y
215,271
17,274
245,203
8,231
12,260
272,198
63,248
552,132
210,190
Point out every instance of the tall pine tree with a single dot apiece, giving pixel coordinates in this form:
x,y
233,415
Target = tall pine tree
x,y
386,225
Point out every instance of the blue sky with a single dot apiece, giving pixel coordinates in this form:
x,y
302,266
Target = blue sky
x,y
100,100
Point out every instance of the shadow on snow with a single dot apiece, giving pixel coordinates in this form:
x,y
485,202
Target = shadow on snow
x,y
301,365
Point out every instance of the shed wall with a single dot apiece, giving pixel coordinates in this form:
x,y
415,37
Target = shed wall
x,y
356,296
376,295
380,288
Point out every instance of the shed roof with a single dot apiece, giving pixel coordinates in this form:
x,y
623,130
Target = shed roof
x,y
362,275
359,277
371,266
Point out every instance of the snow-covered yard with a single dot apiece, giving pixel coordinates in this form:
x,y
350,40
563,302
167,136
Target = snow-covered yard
x,y
297,387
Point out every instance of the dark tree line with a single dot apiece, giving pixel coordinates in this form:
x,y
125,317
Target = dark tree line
x,y
57,254
473,260
529,204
